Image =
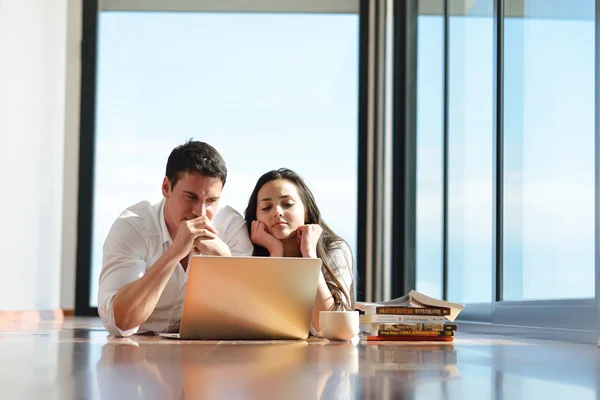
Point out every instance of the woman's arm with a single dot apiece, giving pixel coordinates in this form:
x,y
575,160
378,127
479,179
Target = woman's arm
x,y
323,302
340,263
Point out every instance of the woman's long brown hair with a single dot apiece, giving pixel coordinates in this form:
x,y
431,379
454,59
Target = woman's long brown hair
x,y
328,242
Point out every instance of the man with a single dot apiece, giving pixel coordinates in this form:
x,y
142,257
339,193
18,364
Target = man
x,y
146,253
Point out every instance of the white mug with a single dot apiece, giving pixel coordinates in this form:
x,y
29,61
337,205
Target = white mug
x,y
338,325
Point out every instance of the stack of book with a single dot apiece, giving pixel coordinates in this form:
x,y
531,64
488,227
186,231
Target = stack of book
x,y
414,317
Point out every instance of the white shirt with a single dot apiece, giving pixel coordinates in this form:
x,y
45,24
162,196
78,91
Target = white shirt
x,y
137,239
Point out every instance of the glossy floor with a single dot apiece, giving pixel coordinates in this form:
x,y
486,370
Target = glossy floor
x,y
76,360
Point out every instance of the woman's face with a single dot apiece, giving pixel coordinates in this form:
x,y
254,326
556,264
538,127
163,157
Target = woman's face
x,y
280,208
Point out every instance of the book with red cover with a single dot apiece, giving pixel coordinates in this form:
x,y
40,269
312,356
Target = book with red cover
x,y
410,338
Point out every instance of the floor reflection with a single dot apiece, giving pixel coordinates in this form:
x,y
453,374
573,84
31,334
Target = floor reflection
x,y
79,361
146,368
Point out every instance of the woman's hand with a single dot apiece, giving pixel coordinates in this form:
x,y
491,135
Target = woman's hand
x,y
308,236
260,236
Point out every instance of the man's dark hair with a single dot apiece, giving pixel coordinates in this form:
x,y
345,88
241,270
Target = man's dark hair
x,y
195,156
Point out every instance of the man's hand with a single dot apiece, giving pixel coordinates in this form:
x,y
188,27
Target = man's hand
x,y
307,237
262,237
211,247
189,231
133,303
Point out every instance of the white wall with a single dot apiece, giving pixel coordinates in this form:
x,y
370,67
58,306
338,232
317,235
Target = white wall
x,y
33,48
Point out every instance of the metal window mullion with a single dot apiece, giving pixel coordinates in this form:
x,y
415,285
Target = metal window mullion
x,y
368,259
445,155
233,6
388,154
404,146
498,176
597,157
379,149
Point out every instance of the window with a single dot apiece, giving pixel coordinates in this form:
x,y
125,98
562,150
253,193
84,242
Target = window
x,y
430,148
549,110
470,151
267,90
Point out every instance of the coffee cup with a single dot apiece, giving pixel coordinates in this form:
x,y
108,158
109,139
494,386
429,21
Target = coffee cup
x,y
338,325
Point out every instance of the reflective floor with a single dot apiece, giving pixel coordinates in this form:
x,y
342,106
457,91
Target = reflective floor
x,y
76,360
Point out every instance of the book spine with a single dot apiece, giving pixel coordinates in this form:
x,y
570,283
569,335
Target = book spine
x,y
410,338
441,311
404,319
372,329
415,327
438,327
394,332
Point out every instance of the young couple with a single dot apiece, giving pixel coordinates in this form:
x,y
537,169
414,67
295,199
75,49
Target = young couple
x,y
146,253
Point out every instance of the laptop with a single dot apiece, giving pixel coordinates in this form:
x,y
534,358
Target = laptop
x,y
248,298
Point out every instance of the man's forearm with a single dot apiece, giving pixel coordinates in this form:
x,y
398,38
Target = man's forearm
x,y
212,247
223,251
133,303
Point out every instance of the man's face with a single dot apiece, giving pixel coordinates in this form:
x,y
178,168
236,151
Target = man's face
x,y
194,195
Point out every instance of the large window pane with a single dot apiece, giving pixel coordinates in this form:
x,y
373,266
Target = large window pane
x,y
470,166
549,150
267,90
430,135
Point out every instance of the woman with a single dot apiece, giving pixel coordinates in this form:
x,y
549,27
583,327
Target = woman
x,y
284,221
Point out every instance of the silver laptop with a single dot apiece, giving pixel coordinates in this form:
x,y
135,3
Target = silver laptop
x,y
247,298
